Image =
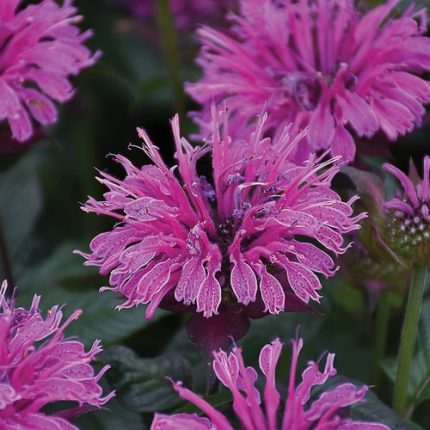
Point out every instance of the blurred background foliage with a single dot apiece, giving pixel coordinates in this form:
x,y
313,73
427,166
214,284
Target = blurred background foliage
x,y
43,183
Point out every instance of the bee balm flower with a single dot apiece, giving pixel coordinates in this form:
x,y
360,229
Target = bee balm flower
x,y
40,48
409,214
328,412
248,237
40,367
320,63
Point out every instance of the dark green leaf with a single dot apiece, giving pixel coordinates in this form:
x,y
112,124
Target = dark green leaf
x,y
63,280
218,401
371,409
142,383
369,187
112,417
20,205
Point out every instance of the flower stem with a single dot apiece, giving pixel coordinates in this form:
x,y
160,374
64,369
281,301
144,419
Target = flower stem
x,y
169,37
408,337
381,332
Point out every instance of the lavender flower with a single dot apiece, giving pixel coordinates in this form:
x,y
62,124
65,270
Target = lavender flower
x,y
409,213
320,63
40,48
300,412
40,367
244,238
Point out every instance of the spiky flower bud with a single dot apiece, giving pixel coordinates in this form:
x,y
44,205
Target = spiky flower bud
x,y
408,216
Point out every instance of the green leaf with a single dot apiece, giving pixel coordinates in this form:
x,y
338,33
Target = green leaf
x,y
113,417
218,401
370,189
419,381
347,297
63,280
321,332
61,266
371,409
141,383
374,410
20,205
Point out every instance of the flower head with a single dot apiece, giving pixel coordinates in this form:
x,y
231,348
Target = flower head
x,y
300,412
187,13
40,367
242,237
320,63
40,48
409,213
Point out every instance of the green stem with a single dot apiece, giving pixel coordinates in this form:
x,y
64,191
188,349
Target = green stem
x,y
408,337
381,333
169,37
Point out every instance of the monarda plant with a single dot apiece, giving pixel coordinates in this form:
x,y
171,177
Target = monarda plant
x,y
248,240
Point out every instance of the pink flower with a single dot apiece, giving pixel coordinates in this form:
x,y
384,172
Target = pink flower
x,y
187,13
40,367
300,412
40,48
322,64
408,213
243,238
413,204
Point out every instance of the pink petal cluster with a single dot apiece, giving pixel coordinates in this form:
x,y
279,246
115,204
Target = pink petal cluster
x,y
409,213
257,411
40,48
187,13
40,367
243,238
319,64
412,205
